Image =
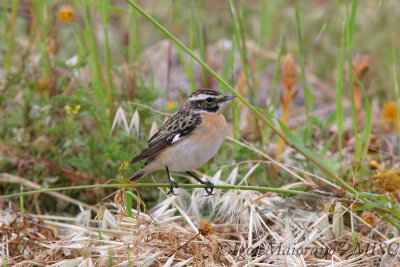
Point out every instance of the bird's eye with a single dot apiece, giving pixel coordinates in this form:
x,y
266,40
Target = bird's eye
x,y
209,99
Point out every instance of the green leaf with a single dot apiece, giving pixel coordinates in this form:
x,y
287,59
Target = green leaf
x,y
367,206
371,195
132,195
395,212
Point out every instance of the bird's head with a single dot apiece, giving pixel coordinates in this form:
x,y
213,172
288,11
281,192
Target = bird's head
x,y
207,100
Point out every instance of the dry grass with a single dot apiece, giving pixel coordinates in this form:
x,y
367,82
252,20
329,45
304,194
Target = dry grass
x,y
243,228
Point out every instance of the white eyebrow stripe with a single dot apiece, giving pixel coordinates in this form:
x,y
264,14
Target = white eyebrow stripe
x,y
198,97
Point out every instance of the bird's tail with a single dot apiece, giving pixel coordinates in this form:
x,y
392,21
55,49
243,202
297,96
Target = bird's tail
x,y
137,175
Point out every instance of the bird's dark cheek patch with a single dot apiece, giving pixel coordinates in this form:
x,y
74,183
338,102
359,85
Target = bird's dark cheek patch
x,y
213,109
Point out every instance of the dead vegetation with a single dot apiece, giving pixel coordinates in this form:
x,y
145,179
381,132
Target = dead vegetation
x,y
247,228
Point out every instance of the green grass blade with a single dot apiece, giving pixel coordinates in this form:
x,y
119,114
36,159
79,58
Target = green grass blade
x,y
309,100
274,97
339,89
201,42
107,59
350,33
192,41
297,142
129,197
5,20
241,44
11,37
138,48
395,80
40,8
21,202
95,70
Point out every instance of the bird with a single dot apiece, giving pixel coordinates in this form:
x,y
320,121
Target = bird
x,y
188,139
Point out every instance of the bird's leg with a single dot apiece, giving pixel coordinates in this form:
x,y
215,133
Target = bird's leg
x,y
172,183
210,186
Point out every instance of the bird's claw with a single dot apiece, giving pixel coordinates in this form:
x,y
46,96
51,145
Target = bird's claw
x,y
209,188
172,184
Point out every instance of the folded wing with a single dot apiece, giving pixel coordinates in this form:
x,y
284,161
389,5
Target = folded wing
x,y
174,130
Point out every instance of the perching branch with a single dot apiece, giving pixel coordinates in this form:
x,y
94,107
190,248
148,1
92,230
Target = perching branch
x,y
153,185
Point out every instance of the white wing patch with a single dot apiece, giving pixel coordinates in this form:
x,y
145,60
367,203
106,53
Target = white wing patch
x,y
176,138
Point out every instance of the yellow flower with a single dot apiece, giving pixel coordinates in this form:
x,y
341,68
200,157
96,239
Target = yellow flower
x,y
72,110
125,164
389,114
76,109
68,109
171,105
66,14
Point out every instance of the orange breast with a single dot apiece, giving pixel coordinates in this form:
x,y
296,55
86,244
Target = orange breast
x,y
213,125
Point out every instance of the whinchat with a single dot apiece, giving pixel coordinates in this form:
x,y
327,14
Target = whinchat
x,y
188,139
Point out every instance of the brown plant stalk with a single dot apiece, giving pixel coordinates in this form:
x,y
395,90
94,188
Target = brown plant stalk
x,y
289,80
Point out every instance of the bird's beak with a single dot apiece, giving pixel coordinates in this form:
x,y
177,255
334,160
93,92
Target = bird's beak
x,y
228,97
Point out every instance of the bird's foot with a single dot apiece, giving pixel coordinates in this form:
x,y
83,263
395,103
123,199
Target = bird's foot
x,y
172,184
209,188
